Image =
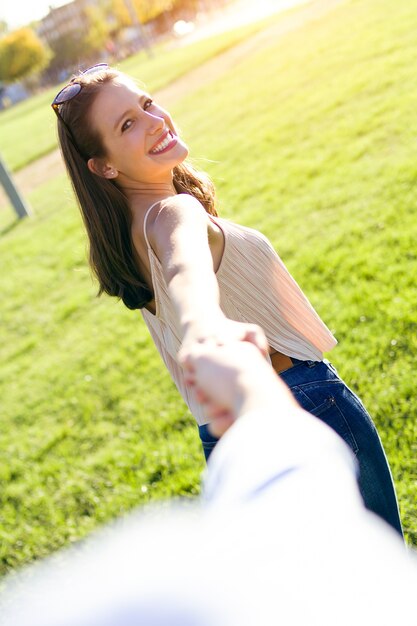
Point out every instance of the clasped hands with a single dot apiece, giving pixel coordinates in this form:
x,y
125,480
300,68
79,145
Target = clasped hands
x,y
225,363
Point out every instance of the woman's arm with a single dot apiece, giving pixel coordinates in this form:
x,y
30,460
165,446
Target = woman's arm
x,y
179,237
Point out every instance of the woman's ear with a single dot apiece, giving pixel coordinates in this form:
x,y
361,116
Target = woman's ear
x,y
98,167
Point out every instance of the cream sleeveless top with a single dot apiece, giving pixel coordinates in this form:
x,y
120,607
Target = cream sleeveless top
x,y
255,287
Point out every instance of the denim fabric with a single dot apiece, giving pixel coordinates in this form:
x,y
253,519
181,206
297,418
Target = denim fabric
x,y
207,439
319,390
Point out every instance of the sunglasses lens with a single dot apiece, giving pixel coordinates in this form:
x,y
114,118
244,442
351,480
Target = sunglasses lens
x,y
95,68
69,92
73,88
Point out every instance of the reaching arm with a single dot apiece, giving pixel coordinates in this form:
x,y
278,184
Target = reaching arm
x,y
179,236
272,441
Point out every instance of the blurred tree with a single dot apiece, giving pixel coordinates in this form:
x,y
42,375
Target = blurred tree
x,y
188,6
21,53
150,9
76,47
67,51
3,27
97,30
118,10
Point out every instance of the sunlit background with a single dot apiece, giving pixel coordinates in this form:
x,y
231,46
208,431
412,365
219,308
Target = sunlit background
x,y
17,14
23,12
304,115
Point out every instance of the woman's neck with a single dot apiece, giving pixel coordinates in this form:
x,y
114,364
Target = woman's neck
x,y
141,196
138,191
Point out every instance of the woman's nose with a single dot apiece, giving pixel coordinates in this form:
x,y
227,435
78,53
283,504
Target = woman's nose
x,y
156,124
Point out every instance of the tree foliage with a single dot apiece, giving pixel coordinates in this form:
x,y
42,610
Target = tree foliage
x,y
117,10
75,47
150,9
67,51
97,30
21,53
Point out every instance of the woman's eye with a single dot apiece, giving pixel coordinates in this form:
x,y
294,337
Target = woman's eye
x,y
128,123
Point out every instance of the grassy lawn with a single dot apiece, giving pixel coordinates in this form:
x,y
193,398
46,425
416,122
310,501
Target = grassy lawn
x,y
35,120
313,142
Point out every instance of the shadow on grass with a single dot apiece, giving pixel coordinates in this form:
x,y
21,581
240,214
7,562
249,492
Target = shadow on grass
x,y
9,227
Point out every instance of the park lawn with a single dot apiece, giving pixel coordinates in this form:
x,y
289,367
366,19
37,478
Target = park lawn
x,y
314,145
28,130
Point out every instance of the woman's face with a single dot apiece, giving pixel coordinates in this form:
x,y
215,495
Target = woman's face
x,y
139,137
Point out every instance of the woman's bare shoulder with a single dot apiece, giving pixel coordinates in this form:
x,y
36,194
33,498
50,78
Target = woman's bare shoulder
x,y
181,201
178,210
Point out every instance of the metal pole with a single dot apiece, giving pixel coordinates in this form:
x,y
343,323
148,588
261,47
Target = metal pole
x,y
21,208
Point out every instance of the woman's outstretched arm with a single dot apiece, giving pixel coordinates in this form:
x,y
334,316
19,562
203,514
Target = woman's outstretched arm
x,y
179,236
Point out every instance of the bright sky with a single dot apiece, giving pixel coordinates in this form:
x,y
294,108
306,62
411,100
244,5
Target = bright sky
x,y
21,12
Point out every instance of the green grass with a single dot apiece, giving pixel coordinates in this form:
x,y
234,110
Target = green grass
x,y
313,142
27,130
91,424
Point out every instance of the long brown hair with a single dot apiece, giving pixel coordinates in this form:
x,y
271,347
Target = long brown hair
x,y
104,208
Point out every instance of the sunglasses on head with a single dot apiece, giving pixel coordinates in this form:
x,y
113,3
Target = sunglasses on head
x,y
73,88
69,92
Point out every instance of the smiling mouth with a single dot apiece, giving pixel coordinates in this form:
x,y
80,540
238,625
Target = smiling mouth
x,y
167,142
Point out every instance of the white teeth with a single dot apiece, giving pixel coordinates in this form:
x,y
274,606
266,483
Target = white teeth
x,y
161,146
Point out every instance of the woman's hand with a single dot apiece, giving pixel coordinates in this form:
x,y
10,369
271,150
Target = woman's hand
x,y
233,380
220,332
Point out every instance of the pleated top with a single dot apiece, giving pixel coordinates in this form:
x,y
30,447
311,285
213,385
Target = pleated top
x,y
255,287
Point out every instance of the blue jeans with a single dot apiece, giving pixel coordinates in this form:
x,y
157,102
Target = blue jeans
x,y
319,390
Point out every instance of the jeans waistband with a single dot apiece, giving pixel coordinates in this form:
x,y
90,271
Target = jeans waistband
x,y
297,361
304,372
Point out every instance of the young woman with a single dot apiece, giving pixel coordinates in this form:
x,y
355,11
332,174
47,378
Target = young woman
x,y
156,242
